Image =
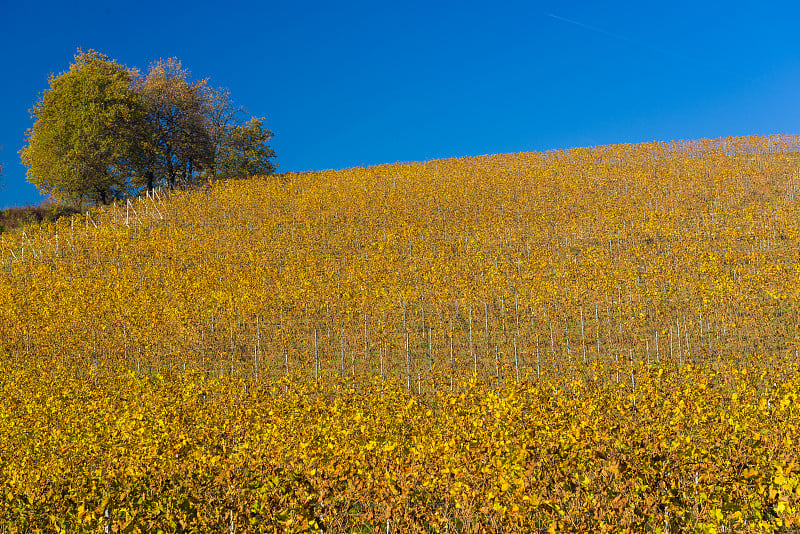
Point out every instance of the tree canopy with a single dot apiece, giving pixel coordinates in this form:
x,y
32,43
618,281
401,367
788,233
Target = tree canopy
x,y
85,124
244,150
102,131
178,142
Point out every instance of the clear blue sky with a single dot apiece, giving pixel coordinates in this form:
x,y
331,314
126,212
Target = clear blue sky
x,y
358,83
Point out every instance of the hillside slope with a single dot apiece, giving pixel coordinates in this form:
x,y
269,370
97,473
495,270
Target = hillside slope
x,y
584,340
644,238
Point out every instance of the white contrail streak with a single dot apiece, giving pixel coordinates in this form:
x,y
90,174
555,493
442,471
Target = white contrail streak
x,y
618,36
592,28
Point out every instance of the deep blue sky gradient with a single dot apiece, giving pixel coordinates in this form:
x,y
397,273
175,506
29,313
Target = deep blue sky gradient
x,y
360,83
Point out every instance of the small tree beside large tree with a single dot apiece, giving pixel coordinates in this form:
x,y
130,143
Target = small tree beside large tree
x,y
102,132
236,148
244,150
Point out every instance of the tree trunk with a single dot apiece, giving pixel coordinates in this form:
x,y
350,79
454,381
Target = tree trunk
x,y
189,170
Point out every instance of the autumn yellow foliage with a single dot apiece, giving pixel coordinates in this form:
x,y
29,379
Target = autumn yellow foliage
x,y
598,339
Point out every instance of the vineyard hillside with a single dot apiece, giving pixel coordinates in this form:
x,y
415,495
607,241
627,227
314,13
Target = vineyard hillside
x,y
596,339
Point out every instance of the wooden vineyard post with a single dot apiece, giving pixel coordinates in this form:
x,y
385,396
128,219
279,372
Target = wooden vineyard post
x,y
450,334
597,322
670,344
657,357
497,364
583,336
408,362
686,336
471,346
538,369
503,315
486,328
316,358
341,338
366,352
